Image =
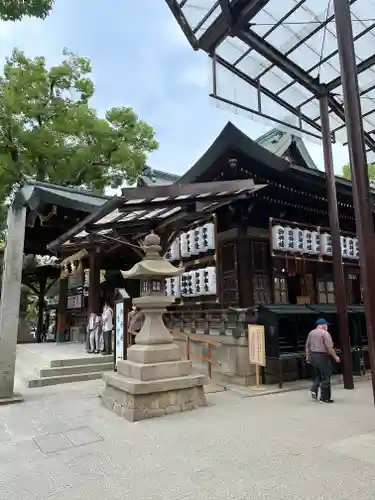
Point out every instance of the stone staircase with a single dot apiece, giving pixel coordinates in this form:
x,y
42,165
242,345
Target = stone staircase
x,y
35,368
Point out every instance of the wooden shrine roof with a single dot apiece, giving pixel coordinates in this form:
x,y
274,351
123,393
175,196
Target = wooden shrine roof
x,y
164,209
51,211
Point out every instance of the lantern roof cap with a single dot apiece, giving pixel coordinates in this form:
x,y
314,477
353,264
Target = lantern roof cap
x,y
153,265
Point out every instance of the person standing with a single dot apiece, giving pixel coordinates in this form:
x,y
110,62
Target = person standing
x,y
135,321
107,326
93,333
319,351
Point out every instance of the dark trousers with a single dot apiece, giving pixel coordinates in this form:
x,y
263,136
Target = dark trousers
x,y
107,340
323,371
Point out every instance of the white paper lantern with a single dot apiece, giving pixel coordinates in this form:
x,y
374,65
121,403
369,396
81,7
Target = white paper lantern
x,y
308,241
200,281
278,237
207,237
167,287
315,248
298,240
191,284
210,287
289,239
185,284
344,246
175,250
192,243
197,282
184,245
196,241
326,244
176,286
350,248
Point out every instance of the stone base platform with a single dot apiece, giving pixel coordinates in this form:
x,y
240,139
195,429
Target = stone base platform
x,y
137,399
152,400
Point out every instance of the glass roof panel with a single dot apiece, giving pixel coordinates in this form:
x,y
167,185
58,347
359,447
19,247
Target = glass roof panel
x,y
200,13
305,33
235,92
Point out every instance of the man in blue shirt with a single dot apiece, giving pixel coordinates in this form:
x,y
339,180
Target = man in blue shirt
x,y
319,351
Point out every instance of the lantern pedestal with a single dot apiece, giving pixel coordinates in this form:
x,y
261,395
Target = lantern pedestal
x,y
153,381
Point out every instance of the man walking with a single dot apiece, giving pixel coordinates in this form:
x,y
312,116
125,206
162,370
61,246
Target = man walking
x,y
319,351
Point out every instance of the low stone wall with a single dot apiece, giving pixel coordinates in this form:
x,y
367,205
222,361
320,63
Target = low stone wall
x,y
231,360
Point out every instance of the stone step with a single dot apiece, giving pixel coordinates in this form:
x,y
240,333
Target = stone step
x,y
64,379
89,360
76,369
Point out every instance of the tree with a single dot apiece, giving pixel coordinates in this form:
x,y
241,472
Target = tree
x,y
14,10
48,131
371,172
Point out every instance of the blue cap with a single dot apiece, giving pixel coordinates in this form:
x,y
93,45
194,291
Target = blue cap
x,y
321,321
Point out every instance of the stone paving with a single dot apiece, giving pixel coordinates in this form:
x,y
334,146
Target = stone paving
x,y
61,444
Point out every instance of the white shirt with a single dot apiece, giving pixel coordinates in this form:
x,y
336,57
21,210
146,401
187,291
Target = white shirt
x,y
93,322
107,319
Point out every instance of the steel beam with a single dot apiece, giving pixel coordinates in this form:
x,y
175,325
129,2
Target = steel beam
x,y
278,59
358,165
324,60
361,67
292,69
264,90
242,12
181,19
226,10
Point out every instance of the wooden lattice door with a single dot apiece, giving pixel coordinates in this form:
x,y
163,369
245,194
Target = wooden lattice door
x,y
228,274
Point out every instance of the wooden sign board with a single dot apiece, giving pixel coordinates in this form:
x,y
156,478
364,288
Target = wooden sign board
x,y
257,345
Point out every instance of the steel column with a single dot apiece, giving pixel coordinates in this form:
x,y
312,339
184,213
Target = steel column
x,y
358,165
338,270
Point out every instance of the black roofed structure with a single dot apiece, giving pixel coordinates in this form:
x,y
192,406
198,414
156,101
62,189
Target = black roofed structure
x,y
239,193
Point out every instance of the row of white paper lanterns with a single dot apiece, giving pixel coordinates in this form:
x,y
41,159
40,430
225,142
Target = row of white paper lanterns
x,y
288,239
192,283
192,243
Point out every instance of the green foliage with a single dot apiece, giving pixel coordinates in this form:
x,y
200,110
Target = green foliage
x,y
371,172
48,131
14,10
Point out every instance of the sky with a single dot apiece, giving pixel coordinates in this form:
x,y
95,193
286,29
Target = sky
x,y
141,59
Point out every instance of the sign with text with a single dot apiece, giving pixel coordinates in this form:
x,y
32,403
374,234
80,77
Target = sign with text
x,y
74,302
257,347
119,331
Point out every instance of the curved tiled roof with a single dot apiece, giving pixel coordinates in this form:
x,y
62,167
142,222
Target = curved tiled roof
x,y
275,141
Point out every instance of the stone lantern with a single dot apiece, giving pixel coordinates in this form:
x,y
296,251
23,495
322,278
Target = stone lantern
x,y
153,381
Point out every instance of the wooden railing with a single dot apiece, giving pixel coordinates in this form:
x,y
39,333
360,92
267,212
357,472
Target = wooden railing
x,y
208,342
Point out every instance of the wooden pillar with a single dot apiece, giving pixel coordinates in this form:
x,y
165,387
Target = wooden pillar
x,y
244,269
61,311
94,284
42,290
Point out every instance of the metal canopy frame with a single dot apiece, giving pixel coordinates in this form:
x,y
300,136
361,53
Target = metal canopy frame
x,y
273,59
164,209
